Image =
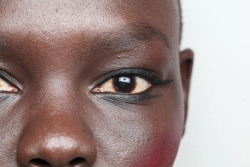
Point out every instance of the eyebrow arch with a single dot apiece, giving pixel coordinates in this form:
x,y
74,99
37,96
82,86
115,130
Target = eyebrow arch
x,y
128,37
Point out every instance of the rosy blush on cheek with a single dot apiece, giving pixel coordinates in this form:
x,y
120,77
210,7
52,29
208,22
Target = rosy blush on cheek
x,y
160,153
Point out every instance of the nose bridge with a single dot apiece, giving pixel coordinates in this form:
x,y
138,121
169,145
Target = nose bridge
x,y
56,133
56,93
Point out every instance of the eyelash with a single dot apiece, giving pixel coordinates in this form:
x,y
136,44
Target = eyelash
x,y
143,73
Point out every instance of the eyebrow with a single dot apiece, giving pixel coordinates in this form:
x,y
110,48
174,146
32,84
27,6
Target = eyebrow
x,y
128,37
125,38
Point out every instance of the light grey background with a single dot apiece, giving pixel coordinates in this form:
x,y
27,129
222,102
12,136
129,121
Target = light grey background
x,y
218,127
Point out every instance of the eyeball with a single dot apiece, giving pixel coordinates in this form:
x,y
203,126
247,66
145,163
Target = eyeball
x,y
123,84
6,87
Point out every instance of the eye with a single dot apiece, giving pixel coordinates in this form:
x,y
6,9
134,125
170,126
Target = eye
x,y
5,85
123,84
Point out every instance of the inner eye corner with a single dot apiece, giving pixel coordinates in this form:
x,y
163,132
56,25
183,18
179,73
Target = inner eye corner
x,y
9,87
95,90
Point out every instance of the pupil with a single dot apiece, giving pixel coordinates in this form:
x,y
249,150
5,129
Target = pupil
x,y
124,84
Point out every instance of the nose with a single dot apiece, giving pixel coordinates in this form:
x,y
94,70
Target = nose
x,y
60,139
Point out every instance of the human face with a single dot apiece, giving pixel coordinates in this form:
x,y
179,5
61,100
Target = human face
x,y
58,103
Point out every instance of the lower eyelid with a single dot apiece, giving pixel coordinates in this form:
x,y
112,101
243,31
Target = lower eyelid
x,y
130,98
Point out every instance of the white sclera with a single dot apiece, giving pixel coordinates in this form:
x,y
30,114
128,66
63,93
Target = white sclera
x,y
6,87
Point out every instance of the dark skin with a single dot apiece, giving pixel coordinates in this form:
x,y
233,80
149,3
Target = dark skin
x,y
56,57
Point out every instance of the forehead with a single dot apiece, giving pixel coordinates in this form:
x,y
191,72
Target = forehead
x,y
62,16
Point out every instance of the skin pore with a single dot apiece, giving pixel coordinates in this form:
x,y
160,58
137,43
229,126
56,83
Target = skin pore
x,y
64,73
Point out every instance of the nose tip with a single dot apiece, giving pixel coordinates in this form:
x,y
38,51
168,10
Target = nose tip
x,y
56,142
56,151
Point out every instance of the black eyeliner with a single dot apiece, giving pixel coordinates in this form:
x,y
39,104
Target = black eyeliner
x,y
130,98
143,73
120,99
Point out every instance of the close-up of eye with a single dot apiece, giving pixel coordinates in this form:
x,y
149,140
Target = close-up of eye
x,y
123,84
5,86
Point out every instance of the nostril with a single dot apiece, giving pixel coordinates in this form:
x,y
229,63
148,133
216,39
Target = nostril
x,y
39,163
77,161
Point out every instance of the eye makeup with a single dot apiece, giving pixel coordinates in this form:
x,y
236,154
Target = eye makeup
x,y
143,73
127,97
130,98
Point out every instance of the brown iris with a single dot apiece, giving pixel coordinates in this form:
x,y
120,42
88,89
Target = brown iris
x,y
124,84
129,84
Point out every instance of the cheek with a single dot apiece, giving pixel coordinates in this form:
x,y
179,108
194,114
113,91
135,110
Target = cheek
x,y
11,123
164,142
164,133
140,136
160,152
